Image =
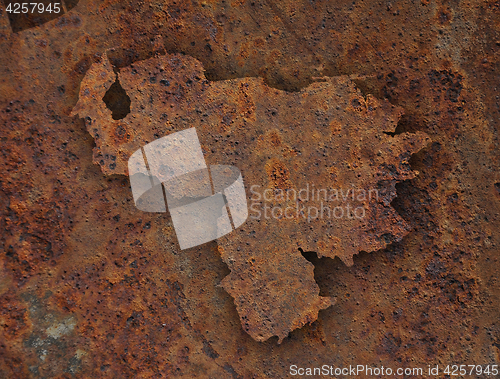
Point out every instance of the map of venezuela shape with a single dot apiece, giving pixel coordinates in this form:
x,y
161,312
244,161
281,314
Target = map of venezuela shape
x,y
326,136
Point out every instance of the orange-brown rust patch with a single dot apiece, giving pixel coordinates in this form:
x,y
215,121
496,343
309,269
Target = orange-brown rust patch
x,y
278,174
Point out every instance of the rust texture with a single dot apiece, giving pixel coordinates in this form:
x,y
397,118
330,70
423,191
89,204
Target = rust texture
x,y
326,136
92,287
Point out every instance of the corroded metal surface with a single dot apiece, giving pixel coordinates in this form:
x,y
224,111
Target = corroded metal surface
x,y
91,287
289,146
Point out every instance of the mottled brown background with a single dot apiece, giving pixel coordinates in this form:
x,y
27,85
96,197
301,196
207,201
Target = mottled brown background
x,y
89,287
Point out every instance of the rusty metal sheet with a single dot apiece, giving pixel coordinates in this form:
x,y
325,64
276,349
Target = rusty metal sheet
x,y
90,287
322,155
